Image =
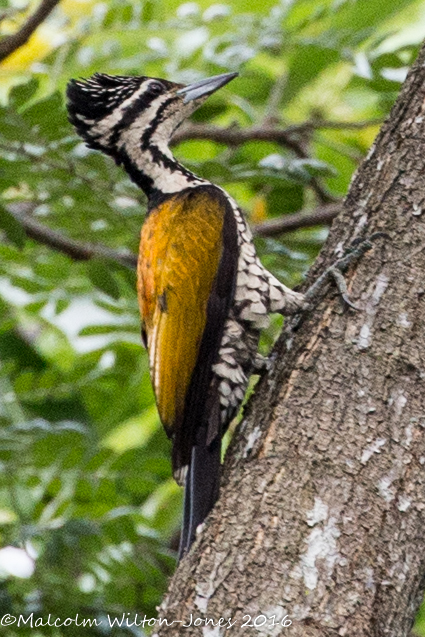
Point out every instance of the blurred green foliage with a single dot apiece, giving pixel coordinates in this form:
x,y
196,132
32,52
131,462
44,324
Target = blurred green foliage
x,y
85,482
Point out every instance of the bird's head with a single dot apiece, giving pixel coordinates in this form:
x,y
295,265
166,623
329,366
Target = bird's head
x,y
115,113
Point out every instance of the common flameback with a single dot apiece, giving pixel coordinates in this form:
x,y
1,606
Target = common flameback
x,y
204,295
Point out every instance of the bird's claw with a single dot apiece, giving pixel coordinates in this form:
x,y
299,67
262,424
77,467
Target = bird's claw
x,y
356,250
348,302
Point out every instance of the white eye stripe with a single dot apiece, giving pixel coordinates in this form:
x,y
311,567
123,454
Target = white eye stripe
x,y
106,125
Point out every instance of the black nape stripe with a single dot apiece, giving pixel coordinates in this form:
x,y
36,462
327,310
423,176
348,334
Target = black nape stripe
x,y
173,165
145,182
159,117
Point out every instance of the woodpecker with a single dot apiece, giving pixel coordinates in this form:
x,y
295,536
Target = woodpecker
x,y
203,293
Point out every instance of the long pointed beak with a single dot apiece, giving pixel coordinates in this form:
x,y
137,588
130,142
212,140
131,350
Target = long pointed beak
x,y
205,87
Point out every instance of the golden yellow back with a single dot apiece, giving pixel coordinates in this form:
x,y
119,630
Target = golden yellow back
x,y
180,251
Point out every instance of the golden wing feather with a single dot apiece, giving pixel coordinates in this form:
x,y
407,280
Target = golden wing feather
x,y
180,251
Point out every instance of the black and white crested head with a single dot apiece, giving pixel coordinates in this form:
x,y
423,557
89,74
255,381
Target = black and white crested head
x,y
105,104
132,118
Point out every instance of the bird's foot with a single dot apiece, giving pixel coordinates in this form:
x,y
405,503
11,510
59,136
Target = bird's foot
x,y
263,364
357,249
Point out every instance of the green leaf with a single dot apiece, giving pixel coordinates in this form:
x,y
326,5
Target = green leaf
x,y
48,117
22,93
13,229
61,305
135,432
100,275
367,13
148,10
118,328
306,64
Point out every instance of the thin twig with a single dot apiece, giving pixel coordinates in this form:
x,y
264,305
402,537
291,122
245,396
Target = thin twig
x,y
79,251
293,137
235,136
334,125
322,215
74,249
13,42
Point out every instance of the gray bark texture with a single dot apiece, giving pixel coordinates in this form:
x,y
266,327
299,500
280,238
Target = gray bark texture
x,y
322,508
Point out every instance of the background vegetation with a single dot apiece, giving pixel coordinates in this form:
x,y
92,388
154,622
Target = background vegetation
x,y
89,513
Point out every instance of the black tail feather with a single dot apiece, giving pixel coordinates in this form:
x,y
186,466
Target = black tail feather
x,y
201,490
183,546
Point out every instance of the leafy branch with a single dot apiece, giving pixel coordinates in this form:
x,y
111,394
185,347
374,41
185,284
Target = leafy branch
x,y
290,136
79,251
293,137
13,42
322,215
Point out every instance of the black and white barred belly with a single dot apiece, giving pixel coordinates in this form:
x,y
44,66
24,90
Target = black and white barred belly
x,y
258,293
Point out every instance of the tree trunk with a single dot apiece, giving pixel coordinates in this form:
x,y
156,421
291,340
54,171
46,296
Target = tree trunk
x,y
321,514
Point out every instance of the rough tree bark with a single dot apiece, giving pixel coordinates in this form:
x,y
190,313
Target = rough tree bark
x,y
321,515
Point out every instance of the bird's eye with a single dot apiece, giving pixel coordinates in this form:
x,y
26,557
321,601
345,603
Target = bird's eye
x,y
156,88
